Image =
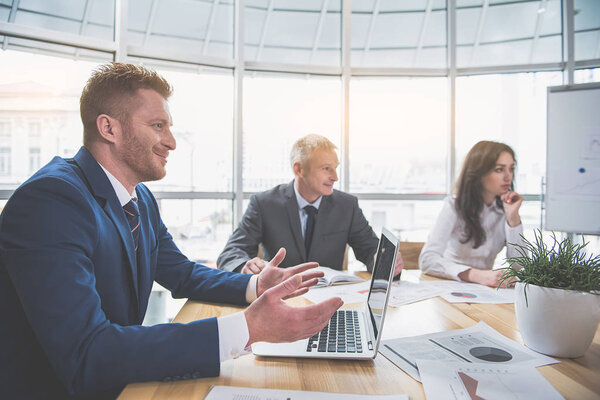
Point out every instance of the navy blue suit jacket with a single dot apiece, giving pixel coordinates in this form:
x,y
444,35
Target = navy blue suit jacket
x,y
73,293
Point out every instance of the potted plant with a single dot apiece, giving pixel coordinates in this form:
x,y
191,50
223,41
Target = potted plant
x,y
557,295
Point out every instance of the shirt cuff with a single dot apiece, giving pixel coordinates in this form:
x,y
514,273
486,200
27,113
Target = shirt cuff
x,y
233,336
251,294
513,232
452,270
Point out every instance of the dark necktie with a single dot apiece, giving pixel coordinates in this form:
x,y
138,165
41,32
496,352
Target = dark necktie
x,y
310,226
132,212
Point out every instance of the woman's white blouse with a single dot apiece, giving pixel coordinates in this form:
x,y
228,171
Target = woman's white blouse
x,y
445,256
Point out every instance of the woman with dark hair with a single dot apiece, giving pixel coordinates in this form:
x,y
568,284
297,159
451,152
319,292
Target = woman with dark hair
x,y
475,225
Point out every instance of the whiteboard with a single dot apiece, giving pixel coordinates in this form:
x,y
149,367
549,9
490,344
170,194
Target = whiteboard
x,y
572,199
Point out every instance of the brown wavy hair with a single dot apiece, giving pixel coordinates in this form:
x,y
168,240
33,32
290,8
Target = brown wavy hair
x,y
480,160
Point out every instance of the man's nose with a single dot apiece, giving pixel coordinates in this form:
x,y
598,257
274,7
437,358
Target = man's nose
x,y
169,140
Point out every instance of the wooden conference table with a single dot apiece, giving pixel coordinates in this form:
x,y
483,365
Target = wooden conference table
x,y
573,378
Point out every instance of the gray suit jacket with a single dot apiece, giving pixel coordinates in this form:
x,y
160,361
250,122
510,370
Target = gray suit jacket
x,y
272,221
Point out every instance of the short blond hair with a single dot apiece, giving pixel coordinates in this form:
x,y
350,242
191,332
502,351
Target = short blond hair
x,y
305,146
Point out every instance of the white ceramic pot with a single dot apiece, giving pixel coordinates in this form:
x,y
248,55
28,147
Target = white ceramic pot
x,y
557,322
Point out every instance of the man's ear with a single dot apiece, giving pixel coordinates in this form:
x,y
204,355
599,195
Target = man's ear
x,y
298,168
108,127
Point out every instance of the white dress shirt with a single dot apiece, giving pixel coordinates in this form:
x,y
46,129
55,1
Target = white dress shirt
x,y
445,256
233,329
303,203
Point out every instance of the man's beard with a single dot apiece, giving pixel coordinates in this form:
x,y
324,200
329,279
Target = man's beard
x,y
141,161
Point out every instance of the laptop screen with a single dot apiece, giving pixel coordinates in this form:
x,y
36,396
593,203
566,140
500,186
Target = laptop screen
x,y
381,277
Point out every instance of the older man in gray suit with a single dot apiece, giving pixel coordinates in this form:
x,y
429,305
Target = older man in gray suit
x,y
306,217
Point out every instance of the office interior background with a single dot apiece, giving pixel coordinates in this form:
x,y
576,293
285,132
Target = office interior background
x,y
403,88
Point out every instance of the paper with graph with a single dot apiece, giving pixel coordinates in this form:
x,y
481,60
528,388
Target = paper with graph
x,y
460,381
477,344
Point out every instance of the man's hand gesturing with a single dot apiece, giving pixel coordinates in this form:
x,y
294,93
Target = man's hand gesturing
x,y
270,319
272,275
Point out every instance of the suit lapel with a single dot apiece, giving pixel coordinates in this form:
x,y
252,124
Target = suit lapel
x,y
291,206
100,187
143,261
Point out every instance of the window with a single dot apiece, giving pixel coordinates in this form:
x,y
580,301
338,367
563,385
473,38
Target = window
x,y
410,34
5,161
91,19
484,38
34,159
509,108
398,135
293,32
410,220
587,75
587,29
202,112
40,97
180,29
200,228
278,110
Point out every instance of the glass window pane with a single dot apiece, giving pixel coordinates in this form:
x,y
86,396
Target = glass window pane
x,y
181,28
39,112
587,75
587,29
398,135
398,34
202,111
200,228
278,110
77,17
509,108
410,220
485,39
292,32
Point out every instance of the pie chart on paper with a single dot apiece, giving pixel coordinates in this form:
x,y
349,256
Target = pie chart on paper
x,y
492,354
464,295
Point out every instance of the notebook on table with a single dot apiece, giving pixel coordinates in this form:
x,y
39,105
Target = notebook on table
x,y
351,333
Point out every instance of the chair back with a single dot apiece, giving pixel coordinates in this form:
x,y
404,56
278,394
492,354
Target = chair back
x,y
410,254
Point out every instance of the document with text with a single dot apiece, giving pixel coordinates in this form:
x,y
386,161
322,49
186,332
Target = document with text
x,y
443,380
477,344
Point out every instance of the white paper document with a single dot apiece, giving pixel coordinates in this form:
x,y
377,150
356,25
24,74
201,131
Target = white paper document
x,y
480,295
355,293
443,380
406,292
477,344
244,393
410,288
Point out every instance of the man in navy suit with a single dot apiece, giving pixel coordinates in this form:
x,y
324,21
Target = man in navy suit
x,y
81,243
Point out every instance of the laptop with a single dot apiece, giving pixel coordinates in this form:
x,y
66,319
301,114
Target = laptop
x,y
351,333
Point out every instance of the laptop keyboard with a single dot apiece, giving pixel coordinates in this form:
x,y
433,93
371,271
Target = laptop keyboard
x,y
341,335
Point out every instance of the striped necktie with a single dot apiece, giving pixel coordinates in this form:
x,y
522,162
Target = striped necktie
x,y
132,212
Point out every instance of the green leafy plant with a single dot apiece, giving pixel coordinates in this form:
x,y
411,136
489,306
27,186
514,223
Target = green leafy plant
x,y
563,265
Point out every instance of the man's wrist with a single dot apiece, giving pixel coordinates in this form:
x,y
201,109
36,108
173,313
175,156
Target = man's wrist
x,y
252,289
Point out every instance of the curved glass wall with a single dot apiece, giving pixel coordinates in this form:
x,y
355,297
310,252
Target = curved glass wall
x,y
404,89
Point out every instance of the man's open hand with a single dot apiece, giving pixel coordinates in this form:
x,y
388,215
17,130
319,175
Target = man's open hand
x,y
270,319
272,275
